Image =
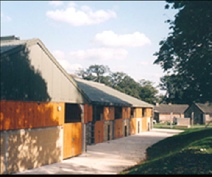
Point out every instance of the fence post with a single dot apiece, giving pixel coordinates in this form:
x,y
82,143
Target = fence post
x,y
171,114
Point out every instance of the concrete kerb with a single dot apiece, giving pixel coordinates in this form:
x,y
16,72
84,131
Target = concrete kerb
x,y
108,157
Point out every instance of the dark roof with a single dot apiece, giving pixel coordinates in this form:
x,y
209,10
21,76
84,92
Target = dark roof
x,y
168,108
205,108
9,38
103,94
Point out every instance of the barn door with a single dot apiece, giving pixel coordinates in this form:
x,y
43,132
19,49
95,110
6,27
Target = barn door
x,y
72,139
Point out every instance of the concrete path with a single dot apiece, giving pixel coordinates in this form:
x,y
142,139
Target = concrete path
x,y
109,157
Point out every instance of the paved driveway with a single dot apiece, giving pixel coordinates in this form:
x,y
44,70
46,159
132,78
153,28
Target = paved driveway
x,y
109,157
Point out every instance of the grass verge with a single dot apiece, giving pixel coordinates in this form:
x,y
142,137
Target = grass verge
x,y
189,152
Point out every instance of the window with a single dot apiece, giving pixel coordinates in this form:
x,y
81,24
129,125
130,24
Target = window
x,y
132,112
143,112
118,112
72,113
99,113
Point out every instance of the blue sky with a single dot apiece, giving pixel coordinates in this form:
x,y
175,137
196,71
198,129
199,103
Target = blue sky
x,y
123,35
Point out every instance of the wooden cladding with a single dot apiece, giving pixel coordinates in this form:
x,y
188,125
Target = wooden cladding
x,y
126,112
148,112
72,139
20,115
133,126
141,112
88,113
109,113
118,128
99,132
144,124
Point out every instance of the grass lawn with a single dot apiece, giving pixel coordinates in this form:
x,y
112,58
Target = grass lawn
x,y
189,152
166,125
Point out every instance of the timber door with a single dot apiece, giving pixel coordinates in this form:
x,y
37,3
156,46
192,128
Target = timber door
x,y
72,140
72,131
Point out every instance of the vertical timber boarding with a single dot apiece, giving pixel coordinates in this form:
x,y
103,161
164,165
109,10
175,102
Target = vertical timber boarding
x,y
72,137
88,115
108,117
72,144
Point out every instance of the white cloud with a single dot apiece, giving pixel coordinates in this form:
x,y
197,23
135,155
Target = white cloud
x,y
70,68
56,3
109,38
5,18
58,54
61,58
100,54
118,68
78,17
144,63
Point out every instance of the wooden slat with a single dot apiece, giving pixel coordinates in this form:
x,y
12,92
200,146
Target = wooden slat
x,y
118,128
144,124
72,139
99,132
18,115
108,113
133,126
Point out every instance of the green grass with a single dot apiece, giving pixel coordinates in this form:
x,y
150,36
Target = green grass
x,y
189,152
166,125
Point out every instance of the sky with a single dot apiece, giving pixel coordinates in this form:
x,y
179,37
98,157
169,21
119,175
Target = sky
x,y
122,35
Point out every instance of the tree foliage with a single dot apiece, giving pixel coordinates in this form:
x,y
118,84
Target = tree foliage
x,y
94,72
187,52
122,82
148,92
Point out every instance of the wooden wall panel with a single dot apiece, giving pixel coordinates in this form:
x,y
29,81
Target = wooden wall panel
x,y
67,141
20,115
148,112
133,126
72,139
126,112
88,113
144,124
138,112
109,113
85,113
99,132
118,128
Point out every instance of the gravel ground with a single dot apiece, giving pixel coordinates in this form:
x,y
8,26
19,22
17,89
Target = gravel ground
x,y
110,157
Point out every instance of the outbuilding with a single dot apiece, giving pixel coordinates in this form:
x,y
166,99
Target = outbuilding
x,y
200,113
112,114
41,107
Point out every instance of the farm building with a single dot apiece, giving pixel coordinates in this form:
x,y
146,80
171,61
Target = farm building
x,y
41,107
199,113
112,114
47,115
166,112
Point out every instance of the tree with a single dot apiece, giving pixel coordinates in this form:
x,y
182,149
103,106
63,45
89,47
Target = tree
x,y
187,50
124,83
174,91
143,90
94,72
148,92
